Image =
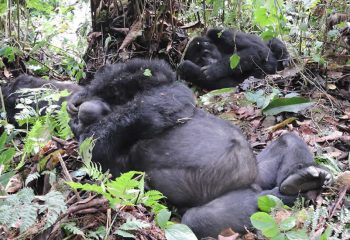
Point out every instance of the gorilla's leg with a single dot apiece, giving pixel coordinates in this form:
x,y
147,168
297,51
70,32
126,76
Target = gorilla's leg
x,y
288,164
232,210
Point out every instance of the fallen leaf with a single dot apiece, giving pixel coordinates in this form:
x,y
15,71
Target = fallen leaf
x,y
333,136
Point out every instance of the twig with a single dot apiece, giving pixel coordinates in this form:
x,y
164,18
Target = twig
x,y
342,193
66,172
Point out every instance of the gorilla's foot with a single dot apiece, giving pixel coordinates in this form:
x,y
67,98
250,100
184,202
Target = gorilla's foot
x,y
305,179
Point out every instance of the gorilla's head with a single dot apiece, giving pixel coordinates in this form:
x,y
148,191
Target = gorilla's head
x,y
202,52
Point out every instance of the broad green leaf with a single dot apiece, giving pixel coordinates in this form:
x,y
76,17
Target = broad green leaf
x,y
297,235
265,223
5,178
234,61
294,104
288,224
7,155
39,5
3,7
268,202
162,218
3,139
220,91
124,234
280,236
179,232
134,224
147,73
257,97
267,35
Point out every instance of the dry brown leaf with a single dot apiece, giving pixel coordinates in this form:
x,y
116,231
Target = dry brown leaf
x,y
333,136
344,179
135,31
14,185
228,234
282,215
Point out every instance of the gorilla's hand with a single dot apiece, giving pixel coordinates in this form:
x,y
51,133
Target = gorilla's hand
x,y
74,102
189,70
216,71
305,179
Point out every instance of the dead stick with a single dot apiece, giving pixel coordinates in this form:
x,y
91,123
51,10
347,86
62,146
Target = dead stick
x,y
65,171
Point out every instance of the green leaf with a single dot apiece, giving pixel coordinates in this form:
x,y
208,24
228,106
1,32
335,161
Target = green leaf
x,y
5,178
294,104
39,5
134,224
7,155
234,61
268,202
162,218
125,234
85,150
265,223
288,224
326,234
3,7
179,232
297,235
267,35
147,72
280,236
3,139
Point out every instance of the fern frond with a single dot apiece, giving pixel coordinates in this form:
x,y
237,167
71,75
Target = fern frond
x,y
31,177
39,135
72,228
62,119
29,213
94,170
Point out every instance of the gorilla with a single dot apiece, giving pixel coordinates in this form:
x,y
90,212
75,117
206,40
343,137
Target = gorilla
x,y
201,163
207,59
26,81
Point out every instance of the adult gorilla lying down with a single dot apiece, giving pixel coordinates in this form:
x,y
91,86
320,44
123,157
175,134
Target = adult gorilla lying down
x,y
207,59
201,163
25,81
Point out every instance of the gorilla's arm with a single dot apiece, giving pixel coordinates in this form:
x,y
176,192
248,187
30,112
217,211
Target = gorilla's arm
x,y
200,76
280,52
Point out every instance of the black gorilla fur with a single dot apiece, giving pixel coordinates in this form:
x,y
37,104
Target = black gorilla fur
x,y
26,81
207,59
201,163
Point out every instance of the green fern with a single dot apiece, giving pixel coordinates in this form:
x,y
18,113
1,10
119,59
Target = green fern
x,y
39,135
62,118
98,234
31,177
152,198
54,206
50,207
72,228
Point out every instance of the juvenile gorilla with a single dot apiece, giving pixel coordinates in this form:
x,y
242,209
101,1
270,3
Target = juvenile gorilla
x,y
207,59
201,163
26,81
